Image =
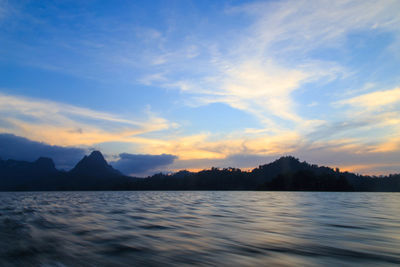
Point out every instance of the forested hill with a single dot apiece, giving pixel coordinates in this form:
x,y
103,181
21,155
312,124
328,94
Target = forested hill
x,y
94,173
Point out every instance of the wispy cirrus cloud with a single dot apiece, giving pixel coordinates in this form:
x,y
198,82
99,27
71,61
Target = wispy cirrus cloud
x,y
322,23
373,117
295,66
374,100
63,124
269,60
69,126
261,67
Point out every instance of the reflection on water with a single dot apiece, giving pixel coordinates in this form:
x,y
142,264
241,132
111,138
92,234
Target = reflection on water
x,y
199,228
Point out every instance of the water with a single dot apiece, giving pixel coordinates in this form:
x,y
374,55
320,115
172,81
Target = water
x,y
199,228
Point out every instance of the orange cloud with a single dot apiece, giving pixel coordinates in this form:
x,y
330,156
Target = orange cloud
x,y
368,169
68,125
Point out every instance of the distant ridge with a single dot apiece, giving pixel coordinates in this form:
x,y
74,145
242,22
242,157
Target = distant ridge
x,y
94,173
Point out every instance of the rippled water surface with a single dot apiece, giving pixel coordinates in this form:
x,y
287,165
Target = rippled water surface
x,y
199,228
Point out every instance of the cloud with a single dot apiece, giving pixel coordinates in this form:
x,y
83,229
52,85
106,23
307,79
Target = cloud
x,y
273,56
371,118
67,125
215,146
137,164
331,130
280,50
318,23
348,155
19,148
390,145
372,169
374,100
352,156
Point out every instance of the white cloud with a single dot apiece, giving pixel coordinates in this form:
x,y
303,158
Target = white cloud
x,y
62,124
374,100
256,69
259,70
307,25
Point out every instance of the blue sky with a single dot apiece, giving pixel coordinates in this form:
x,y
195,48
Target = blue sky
x,y
206,83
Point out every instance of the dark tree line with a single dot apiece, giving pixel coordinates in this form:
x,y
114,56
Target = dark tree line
x,y
94,173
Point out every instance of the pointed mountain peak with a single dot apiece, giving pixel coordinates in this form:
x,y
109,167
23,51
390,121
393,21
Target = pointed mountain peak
x,y
94,165
97,156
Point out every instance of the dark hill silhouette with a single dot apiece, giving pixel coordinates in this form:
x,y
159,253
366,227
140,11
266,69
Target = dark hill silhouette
x,y
39,167
94,165
234,179
46,165
21,175
94,173
91,173
265,173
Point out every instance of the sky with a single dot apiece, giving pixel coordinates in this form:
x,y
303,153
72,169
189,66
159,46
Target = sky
x,y
169,85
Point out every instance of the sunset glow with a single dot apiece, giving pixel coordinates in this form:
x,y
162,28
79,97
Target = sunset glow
x,y
206,83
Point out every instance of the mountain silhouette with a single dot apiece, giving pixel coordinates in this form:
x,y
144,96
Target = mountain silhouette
x,y
21,175
94,173
286,165
16,168
94,165
45,165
